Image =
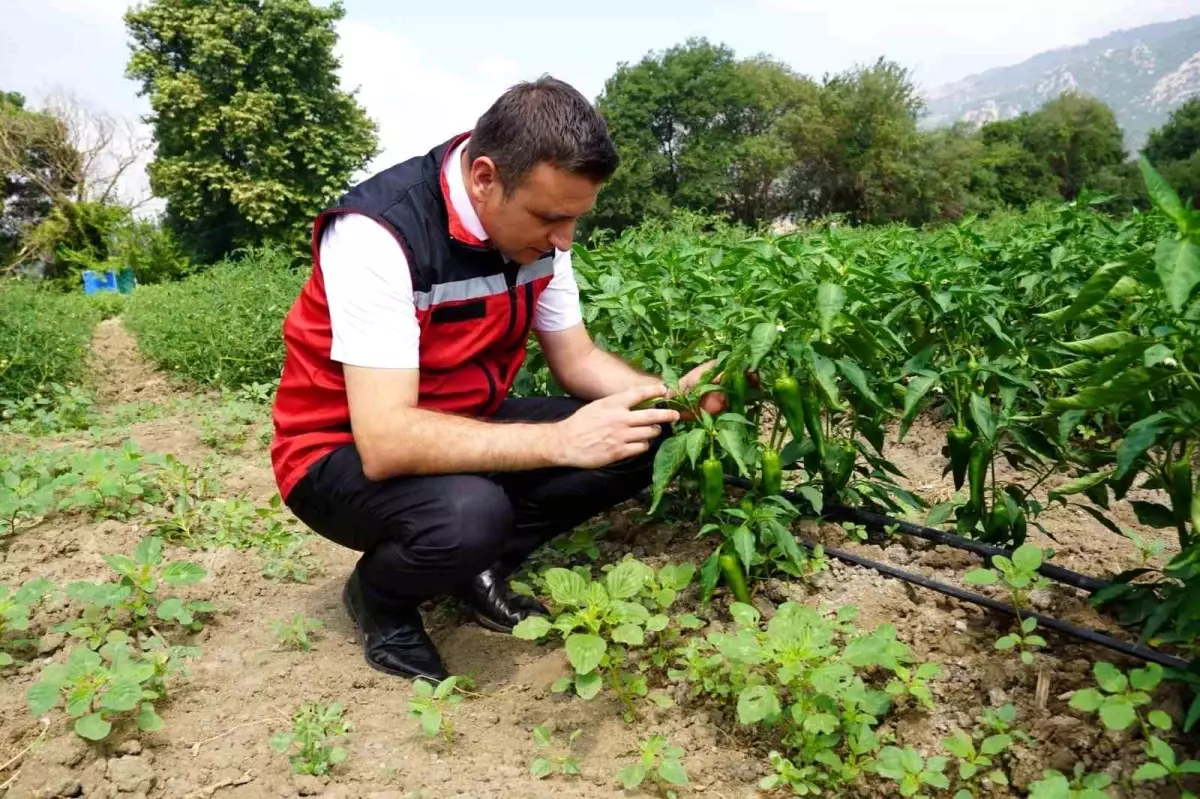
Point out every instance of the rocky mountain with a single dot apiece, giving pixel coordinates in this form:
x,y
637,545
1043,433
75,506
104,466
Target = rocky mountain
x,y
1142,74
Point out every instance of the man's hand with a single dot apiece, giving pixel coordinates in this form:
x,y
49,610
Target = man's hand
x,y
714,402
607,430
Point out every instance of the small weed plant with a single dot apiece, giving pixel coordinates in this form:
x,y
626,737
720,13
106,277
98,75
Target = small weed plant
x,y
16,605
660,764
296,633
553,760
434,706
56,409
1019,575
308,743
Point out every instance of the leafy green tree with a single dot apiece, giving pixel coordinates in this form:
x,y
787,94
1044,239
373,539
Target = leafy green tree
x,y
1079,138
254,134
1179,137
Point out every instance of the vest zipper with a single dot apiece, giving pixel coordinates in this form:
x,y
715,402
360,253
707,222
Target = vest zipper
x,y
528,311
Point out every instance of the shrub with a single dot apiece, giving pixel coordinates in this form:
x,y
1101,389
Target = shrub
x,y
44,338
221,327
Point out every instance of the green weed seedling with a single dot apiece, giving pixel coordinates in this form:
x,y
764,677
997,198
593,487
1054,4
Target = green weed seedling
x,y
1003,721
1082,785
1118,698
1020,577
55,409
660,763
549,761
975,764
228,427
297,632
99,688
133,603
855,532
307,743
600,624
110,484
914,683
433,707
15,607
911,772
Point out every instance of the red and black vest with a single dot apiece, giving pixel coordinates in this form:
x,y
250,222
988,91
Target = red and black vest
x,y
474,310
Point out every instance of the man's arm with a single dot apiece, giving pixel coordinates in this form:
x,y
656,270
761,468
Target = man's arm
x,y
394,437
586,371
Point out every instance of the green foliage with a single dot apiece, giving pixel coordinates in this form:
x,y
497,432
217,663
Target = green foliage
x,y
660,763
27,491
253,134
15,607
98,689
220,327
551,760
911,772
297,632
433,707
1082,785
1020,577
308,744
44,339
56,410
1179,137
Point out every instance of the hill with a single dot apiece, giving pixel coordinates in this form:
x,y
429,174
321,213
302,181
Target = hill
x,y
1142,74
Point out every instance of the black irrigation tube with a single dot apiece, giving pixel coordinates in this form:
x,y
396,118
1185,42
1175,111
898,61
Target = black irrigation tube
x,y
1049,622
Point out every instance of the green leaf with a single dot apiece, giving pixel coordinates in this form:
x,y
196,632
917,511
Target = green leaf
x,y
1159,719
1117,714
757,703
541,767
1150,771
1156,355
629,634
1103,344
148,720
565,683
183,573
743,544
588,685
566,587
984,417
733,440
995,744
831,299
584,651
745,615
657,623
631,777
959,744
858,379
1027,558
667,462
1088,700
825,372
1163,195
93,727
1146,678
43,697
627,578
1079,485
672,772
431,722
1096,288
762,339
981,577
820,723
918,387
532,628
122,696
1141,436
1178,266
1127,385
172,609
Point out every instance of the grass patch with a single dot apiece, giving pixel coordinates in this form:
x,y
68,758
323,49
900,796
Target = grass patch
x,y
44,338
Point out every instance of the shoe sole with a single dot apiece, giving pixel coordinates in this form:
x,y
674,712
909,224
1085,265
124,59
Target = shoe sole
x,y
408,675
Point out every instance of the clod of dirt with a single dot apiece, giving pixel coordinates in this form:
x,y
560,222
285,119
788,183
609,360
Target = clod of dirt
x,y
308,785
131,774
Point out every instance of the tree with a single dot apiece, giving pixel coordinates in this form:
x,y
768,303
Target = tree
x,y
1179,137
1079,138
253,134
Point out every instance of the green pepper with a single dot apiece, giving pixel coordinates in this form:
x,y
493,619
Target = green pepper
x,y
839,465
735,580
977,469
1181,490
772,473
959,440
787,397
812,422
1019,528
712,485
737,388
998,523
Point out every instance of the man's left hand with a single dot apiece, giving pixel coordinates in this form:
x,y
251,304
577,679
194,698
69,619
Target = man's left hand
x,y
714,402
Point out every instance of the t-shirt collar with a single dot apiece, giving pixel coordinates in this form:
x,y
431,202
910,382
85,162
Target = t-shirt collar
x,y
464,222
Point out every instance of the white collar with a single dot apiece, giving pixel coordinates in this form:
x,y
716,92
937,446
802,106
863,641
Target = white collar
x,y
458,193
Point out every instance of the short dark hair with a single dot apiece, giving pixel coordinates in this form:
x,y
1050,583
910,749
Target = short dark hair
x,y
545,120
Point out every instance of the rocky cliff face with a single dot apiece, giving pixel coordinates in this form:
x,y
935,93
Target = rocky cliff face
x,y
1142,74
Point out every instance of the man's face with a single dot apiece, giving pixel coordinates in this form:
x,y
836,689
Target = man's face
x,y
539,215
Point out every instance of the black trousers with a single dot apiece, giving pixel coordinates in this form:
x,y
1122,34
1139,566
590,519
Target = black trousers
x,y
426,536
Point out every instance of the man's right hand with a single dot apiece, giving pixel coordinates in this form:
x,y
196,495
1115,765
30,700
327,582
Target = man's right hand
x,y
607,430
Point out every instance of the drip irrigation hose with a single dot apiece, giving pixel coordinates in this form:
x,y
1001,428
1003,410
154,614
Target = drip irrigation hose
x,y
879,521
1050,623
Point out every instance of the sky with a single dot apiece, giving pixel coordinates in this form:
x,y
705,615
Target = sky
x,y
425,71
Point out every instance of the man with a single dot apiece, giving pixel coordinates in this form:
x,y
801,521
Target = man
x,y
393,432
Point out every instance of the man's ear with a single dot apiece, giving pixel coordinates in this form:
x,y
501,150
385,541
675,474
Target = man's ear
x,y
484,178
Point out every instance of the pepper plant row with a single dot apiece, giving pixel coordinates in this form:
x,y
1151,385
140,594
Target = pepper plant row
x,y
1063,343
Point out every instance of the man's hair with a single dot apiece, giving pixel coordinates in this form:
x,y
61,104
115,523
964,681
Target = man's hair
x,y
548,121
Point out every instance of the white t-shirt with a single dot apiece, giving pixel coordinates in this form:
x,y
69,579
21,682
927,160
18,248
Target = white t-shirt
x,y
369,287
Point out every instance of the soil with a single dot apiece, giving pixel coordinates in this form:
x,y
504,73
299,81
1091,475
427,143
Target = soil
x,y
243,687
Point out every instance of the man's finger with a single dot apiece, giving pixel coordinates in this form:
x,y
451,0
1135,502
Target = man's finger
x,y
632,396
648,433
654,416
633,450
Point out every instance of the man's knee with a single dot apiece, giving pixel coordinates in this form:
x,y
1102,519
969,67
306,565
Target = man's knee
x,y
468,524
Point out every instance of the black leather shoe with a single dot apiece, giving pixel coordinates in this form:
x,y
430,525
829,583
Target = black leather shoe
x,y
394,641
495,606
